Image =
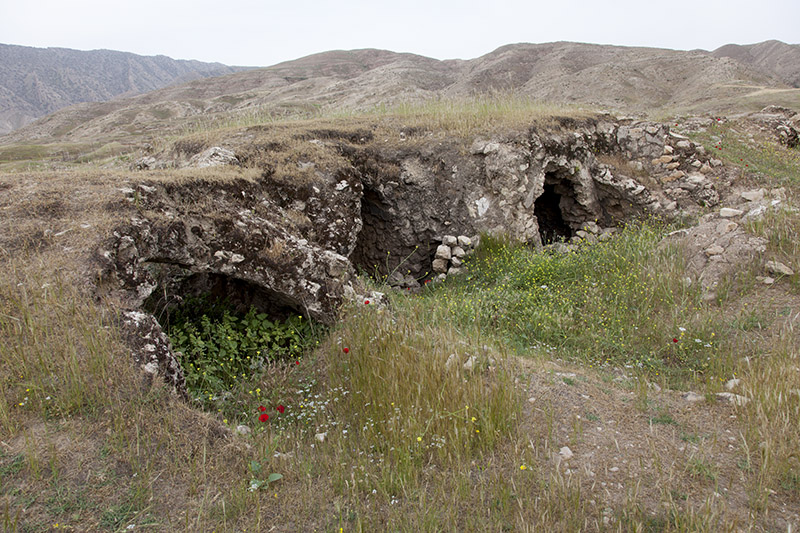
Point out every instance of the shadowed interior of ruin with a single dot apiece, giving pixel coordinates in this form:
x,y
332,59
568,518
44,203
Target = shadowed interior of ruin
x,y
379,251
239,294
547,208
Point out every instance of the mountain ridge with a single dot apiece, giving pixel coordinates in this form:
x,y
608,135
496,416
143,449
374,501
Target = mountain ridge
x,y
37,81
617,78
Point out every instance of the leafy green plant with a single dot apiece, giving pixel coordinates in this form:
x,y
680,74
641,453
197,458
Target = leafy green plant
x,y
219,347
255,482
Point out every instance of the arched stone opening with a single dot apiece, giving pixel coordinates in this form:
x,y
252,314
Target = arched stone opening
x,y
238,294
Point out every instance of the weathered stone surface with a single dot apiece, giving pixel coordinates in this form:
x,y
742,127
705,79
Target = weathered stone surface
x,y
213,157
443,252
730,212
779,269
246,239
713,249
152,350
440,266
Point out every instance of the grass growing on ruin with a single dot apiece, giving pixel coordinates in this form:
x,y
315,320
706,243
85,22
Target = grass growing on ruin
x,y
762,160
462,117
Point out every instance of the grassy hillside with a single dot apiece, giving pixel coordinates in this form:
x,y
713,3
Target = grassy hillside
x,y
539,392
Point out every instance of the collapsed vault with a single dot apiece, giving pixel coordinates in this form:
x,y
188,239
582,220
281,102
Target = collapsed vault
x,y
294,245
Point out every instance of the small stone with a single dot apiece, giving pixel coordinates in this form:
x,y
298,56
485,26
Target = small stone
x,y
665,159
735,399
768,280
451,361
456,262
439,265
777,268
714,250
614,469
732,383
454,271
242,429
728,212
565,453
470,364
754,196
716,163
672,166
464,241
697,164
705,169
532,399
321,436
443,252
756,213
668,149
655,387
684,145
450,240
591,227
678,174
693,397
726,226
459,252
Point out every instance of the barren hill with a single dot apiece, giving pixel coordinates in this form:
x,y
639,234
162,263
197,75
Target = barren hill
x,y
616,78
773,57
38,81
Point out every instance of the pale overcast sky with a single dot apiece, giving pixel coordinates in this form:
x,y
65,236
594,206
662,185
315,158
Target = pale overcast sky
x,y
265,32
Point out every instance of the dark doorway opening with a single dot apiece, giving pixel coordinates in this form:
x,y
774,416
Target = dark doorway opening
x,y
547,208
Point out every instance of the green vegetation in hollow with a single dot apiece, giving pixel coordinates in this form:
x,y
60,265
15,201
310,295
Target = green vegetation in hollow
x,y
220,348
622,302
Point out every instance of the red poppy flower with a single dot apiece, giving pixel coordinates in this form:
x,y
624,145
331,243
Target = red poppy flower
x,y
366,302
263,418
346,350
674,340
281,409
261,408
297,362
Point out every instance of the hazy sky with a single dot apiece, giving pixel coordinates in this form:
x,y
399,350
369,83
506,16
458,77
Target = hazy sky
x,y
265,32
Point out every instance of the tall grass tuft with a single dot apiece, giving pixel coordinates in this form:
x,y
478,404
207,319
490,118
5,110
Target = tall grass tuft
x,y
57,356
418,392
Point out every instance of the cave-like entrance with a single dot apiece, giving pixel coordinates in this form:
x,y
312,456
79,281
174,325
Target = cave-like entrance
x,y
549,209
176,285
384,249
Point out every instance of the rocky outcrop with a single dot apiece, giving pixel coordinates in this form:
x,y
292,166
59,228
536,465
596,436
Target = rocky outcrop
x,y
237,230
718,246
388,208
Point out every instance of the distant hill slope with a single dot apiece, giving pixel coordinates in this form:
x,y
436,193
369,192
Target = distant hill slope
x,y
37,81
773,57
621,79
